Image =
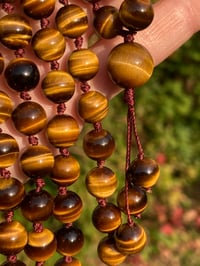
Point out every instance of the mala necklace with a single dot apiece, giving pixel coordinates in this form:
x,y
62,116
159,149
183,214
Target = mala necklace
x,y
46,152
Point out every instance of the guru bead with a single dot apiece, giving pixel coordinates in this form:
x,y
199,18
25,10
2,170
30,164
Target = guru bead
x,y
130,65
63,262
6,107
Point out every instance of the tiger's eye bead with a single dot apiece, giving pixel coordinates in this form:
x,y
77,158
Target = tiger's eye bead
x,y
136,14
38,9
37,161
17,263
6,107
67,207
130,239
29,118
98,145
101,182
13,237
71,21
62,262
9,150
41,245
58,86
48,44
1,63
22,74
93,106
83,64
130,65
15,31
144,173
62,131
66,170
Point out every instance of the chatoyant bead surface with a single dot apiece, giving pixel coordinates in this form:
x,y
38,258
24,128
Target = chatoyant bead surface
x,y
93,106
58,86
17,263
6,107
48,44
29,118
136,14
63,262
71,21
15,31
1,63
130,65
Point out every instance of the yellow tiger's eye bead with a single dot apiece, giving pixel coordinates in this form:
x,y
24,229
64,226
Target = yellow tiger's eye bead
x,y
73,262
83,64
15,31
1,63
6,107
71,21
48,44
130,65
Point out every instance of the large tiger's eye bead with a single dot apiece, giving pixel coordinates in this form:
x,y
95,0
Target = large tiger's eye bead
x,y
143,172
98,145
17,263
48,44
71,21
13,237
37,161
66,170
15,31
83,64
29,118
130,239
58,86
130,65
41,245
136,14
38,9
93,106
22,74
9,150
6,106
67,207
73,262
1,63
101,182
62,131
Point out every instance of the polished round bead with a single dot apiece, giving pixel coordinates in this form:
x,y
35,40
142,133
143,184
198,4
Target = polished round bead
x,y
15,31
63,131
6,107
48,44
108,252
83,64
13,237
130,239
71,21
66,170
1,63
70,240
143,172
63,262
101,182
136,14
22,74
29,118
130,65
41,245
67,207
37,205
58,86
37,161
93,106
9,150
17,263
38,9
98,145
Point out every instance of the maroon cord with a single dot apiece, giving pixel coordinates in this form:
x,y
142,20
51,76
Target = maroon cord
x,y
62,190
12,258
40,183
5,173
68,259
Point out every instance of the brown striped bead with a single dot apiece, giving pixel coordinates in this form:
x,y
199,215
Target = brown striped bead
x,y
130,65
9,150
15,31
93,106
136,14
101,182
48,44
62,131
38,9
29,118
1,63
63,262
13,237
6,107
58,86
83,64
71,21
17,263
41,245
